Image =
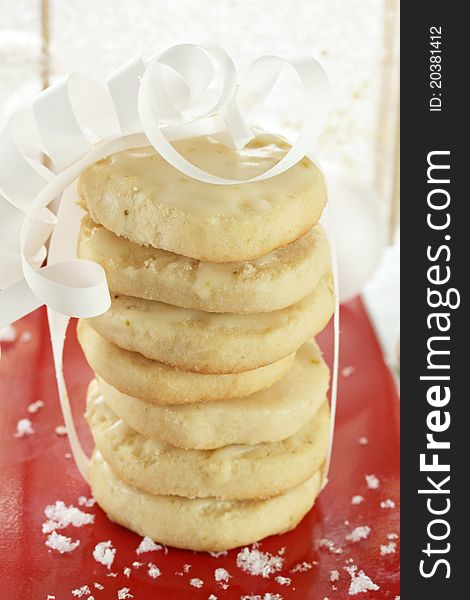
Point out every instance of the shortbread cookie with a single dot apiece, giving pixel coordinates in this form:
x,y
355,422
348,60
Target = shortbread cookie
x,y
138,195
199,524
267,416
236,472
157,382
209,342
271,282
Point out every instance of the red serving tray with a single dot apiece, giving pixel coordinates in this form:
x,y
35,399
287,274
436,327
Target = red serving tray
x,y
34,472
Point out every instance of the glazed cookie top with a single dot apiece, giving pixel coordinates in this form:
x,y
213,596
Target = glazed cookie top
x,y
138,195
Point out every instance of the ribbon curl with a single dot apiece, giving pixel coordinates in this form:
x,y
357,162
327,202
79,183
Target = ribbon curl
x,y
186,91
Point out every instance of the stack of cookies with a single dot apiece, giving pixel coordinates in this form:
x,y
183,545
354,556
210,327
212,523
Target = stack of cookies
x,y
209,409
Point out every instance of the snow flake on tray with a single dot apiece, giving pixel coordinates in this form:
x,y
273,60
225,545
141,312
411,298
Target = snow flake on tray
x,y
347,371
356,500
218,554
124,593
389,503
372,481
62,544
255,562
84,501
61,430
267,596
147,545
8,334
330,545
360,582
389,548
392,536
363,441
35,406
196,582
212,597
79,592
334,576
359,533
186,569
153,571
283,580
104,553
24,427
59,516
127,572
222,575
98,586
302,567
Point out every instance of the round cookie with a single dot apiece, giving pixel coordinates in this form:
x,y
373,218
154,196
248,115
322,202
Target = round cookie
x,y
236,472
208,524
159,383
275,281
138,195
270,415
209,342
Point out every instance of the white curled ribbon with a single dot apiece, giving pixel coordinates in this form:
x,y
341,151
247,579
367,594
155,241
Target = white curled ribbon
x,y
186,91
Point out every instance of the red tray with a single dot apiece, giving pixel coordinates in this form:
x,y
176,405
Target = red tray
x,y
37,470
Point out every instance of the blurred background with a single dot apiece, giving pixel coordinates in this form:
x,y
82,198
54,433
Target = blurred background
x,y
355,40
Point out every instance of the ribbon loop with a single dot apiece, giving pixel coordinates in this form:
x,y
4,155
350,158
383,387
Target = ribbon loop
x,y
123,85
21,177
77,103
